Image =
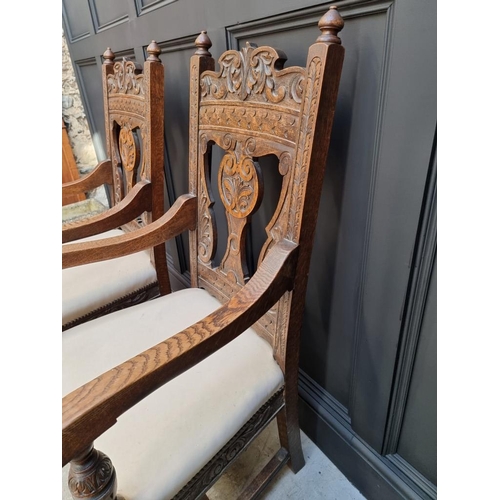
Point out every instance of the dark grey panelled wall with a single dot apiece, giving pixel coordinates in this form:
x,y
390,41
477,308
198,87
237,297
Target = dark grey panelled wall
x,y
368,353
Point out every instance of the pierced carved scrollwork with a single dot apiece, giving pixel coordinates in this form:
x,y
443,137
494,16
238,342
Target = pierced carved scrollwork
x,y
127,78
276,228
207,234
255,72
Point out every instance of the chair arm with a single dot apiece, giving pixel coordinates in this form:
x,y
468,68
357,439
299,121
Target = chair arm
x,y
180,217
90,410
102,174
133,205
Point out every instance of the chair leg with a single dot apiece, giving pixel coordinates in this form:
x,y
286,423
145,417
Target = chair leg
x,y
289,431
92,476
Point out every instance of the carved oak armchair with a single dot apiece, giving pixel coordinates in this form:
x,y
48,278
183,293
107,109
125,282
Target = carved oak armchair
x,y
172,390
134,120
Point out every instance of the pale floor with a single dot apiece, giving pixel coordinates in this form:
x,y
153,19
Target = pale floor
x,y
318,479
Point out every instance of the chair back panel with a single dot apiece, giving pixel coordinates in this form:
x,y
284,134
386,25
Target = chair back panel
x,y
253,107
133,101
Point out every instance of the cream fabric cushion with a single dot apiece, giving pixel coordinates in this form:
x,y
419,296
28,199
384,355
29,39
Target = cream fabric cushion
x,y
86,288
163,441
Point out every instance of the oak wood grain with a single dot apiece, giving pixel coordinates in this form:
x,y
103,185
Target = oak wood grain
x,y
101,174
131,207
94,407
180,217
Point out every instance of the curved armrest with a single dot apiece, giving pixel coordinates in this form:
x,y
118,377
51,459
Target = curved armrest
x,y
180,217
102,174
133,205
94,407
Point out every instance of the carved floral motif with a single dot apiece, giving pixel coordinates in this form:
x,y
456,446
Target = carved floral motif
x,y
212,470
206,232
238,185
129,148
304,147
92,476
282,124
118,103
253,72
125,79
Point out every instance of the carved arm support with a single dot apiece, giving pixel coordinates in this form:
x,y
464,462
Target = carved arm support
x,y
94,407
180,217
137,202
102,174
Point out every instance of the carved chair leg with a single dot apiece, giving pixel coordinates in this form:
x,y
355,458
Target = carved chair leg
x,y
289,433
92,476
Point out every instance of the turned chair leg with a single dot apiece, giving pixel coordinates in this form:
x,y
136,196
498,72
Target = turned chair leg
x,y
92,476
289,433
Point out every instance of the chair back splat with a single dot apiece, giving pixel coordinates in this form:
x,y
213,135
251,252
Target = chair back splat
x,y
133,114
134,118
250,108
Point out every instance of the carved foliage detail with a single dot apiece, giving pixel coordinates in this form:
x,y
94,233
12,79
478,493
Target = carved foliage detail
x,y
206,219
92,477
304,146
208,474
281,123
126,79
276,228
238,185
240,188
119,103
129,148
252,72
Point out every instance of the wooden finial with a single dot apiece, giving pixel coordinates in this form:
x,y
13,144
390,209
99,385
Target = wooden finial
x,y
330,25
203,43
109,56
154,51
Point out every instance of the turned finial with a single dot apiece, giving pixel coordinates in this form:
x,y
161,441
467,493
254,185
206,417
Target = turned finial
x,y
330,25
154,51
109,56
203,43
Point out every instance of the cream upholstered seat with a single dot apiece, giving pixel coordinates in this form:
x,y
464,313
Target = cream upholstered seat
x,y
151,447
168,411
86,288
134,122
